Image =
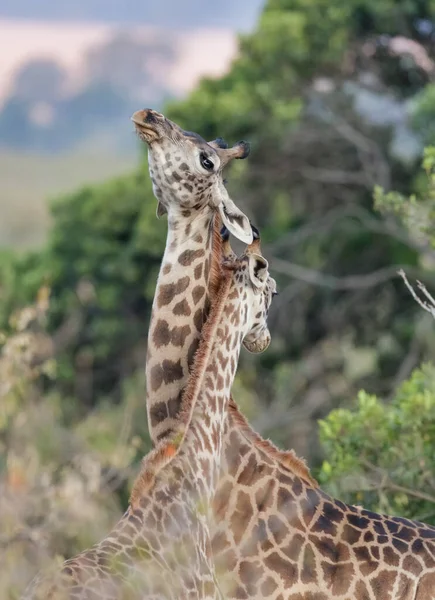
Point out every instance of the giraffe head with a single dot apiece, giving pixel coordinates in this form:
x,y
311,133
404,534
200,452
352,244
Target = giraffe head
x,y
253,279
186,171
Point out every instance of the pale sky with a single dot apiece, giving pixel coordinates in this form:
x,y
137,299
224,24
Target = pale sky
x,y
22,40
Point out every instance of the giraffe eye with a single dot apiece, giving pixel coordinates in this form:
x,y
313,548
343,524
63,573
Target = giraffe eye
x,y
206,163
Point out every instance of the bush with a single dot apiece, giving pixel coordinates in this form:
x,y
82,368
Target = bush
x,y
380,454
61,486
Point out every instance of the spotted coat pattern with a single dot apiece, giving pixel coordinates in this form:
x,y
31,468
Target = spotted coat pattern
x,y
161,548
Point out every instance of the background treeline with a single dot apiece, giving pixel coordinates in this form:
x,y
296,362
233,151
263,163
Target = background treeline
x,y
336,99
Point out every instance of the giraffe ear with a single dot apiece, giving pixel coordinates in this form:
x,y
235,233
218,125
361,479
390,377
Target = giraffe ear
x,y
235,221
258,270
161,210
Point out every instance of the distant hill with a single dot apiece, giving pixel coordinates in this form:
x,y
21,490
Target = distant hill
x,y
239,15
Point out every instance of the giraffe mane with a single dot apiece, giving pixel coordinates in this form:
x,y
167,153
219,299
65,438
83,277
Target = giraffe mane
x,y
216,256
166,450
287,458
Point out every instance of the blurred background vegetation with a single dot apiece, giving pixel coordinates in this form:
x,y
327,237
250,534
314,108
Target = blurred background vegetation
x,y
337,101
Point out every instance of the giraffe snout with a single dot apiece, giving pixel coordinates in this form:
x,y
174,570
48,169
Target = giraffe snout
x,y
148,124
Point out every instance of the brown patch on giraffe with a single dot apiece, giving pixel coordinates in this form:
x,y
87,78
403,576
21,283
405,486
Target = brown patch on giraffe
x,y
361,591
362,554
350,535
197,272
187,257
309,506
197,293
293,548
240,594
198,319
369,537
382,585
399,545
182,309
265,496
161,334
309,572
241,516
406,585
228,559
158,412
166,269
250,474
223,360
198,238
219,383
326,546
174,404
338,578
250,573
259,541
172,371
268,586
179,335
156,376
391,558
412,565
286,502
170,290
278,529
206,269
287,571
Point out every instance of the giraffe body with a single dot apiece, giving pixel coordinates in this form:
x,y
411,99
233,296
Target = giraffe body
x,y
291,540
161,548
274,534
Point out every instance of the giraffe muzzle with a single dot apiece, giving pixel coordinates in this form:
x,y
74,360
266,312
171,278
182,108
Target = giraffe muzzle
x,y
147,125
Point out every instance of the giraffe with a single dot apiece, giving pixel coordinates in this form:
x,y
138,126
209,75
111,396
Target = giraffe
x,y
186,174
275,533
161,548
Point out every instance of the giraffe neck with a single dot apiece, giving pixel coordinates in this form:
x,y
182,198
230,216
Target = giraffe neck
x,y
195,447
207,417
180,307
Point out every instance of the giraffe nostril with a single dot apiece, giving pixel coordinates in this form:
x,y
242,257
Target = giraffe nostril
x,y
148,116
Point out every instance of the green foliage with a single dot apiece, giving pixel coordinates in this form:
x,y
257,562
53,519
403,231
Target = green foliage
x,y
102,253
380,454
417,211
423,114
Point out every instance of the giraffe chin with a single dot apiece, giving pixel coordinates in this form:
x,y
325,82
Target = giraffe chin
x,y
146,134
257,346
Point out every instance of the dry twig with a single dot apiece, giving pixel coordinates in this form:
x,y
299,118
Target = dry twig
x,y
429,304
